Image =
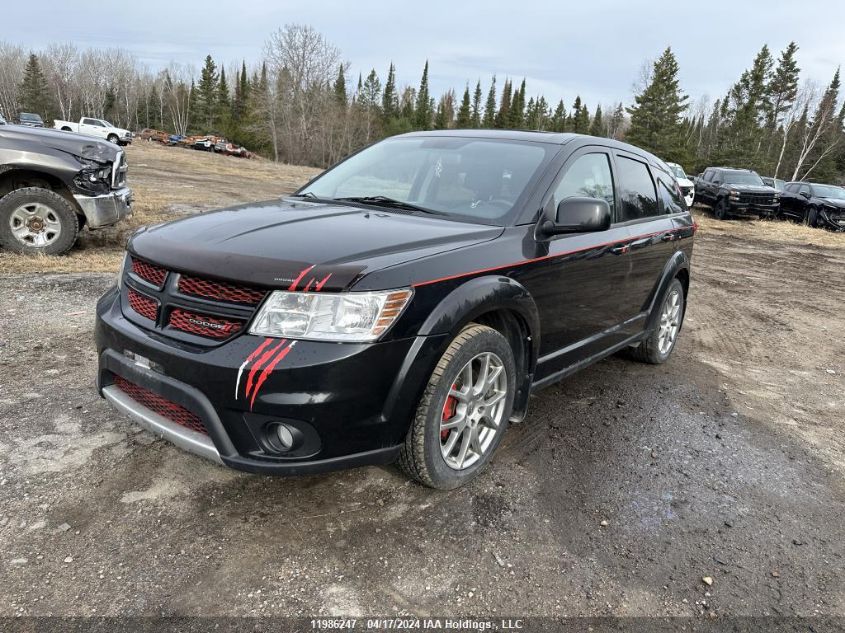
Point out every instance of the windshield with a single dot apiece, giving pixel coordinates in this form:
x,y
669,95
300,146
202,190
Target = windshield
x,y
677,170
25,116
477,179
742,178
106,123
829,191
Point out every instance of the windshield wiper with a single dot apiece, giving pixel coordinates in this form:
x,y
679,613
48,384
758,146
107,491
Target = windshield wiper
x,y
307,194
384,201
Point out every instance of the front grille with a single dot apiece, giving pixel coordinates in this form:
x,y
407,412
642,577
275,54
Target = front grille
x,y
685,191
194,309
757,198
161,405
220,290
149,272
202,325
143,305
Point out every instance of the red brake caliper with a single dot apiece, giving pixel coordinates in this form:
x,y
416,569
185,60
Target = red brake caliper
x,y
449,409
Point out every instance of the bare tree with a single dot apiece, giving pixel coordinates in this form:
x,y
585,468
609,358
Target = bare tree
x,y
61,66
12,63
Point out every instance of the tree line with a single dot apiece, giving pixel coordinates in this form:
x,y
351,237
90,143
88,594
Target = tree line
x,y
299,104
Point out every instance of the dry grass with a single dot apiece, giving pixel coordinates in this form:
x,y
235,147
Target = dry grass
x,y
169,183
172,182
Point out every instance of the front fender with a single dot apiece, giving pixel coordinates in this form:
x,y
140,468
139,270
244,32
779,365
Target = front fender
x,y
461,306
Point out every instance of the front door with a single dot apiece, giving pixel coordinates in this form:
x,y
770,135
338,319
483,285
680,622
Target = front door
x,y
577,282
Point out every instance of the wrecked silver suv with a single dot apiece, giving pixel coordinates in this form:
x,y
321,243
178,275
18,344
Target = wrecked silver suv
x,y
53,183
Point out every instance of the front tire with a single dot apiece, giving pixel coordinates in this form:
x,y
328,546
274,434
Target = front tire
x,y
721,210
113,138
813,217
657,348
37,221
463,412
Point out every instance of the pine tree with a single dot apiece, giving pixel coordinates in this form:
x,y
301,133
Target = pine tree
x,y
206,98
465,111
339,88
503,116
33,90
656,116
748,103
370,94
558,120
222,104
516,115
782,89
617,120
445,111
423,108
390,99
597,125
475,119
489,120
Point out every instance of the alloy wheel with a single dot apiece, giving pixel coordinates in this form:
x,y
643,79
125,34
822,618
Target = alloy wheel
x,y
473,411
670,322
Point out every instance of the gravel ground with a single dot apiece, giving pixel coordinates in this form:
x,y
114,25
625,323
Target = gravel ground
x,y
709,485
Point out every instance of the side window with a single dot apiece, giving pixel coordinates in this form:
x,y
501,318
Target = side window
x,y
708,175
589,176
636,190
88,122
804,189
790,188
669,194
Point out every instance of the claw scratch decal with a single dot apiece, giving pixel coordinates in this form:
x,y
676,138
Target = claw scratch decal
x,y
299,277
264,358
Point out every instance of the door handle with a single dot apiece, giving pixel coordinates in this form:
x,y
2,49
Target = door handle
x,y
619,250
667,237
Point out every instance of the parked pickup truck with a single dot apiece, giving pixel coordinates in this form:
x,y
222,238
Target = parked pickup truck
x,y
52,184
401,306
736,192
96,127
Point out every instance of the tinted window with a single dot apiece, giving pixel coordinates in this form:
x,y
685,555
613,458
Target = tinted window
x,y
742,178
636,190
89,122
708,174
669,194
589,176
804,189
791,188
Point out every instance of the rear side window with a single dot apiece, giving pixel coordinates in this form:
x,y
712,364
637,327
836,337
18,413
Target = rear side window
x,y
669,194
89,122
589,177
636,190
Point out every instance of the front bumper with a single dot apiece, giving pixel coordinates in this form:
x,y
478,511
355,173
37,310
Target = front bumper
x,y
833,220
744,209
351,403
107,209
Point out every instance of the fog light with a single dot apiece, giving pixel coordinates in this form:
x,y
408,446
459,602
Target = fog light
x,y
285,436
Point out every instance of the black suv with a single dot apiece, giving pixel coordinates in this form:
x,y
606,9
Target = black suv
x,y
736,192
402,305
814,204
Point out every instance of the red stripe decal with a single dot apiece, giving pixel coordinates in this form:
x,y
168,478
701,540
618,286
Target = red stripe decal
x,y
266,372
545,257
296,281
258,349
322,283
264,358
308,286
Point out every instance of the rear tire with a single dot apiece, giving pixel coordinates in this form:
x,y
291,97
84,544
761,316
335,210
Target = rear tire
x,y
721,210
654,349
474,404
37,221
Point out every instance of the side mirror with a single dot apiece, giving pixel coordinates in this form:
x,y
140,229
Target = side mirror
x,y
717,182
579,215
805,194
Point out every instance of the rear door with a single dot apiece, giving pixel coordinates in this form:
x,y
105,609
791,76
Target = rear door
x,y
648,201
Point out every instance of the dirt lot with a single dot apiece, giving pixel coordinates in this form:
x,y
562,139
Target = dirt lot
x,y
625,487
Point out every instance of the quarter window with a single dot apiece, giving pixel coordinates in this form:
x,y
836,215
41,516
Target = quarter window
x,y
669,194
636,190
589,177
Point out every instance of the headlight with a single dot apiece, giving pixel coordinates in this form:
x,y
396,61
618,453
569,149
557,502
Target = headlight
x,y
733,194
349,316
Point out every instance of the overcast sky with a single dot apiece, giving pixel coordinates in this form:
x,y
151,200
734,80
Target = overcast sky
x,y
594,48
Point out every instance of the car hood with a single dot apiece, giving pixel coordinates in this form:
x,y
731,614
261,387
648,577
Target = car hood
x,y
684,182
68,142
297,245
839,203
752,188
